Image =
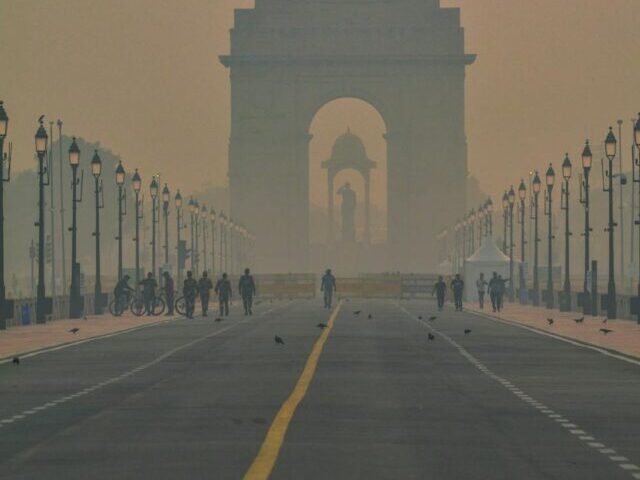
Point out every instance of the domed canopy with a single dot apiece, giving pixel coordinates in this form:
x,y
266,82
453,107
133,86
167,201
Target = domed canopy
x,y
349,152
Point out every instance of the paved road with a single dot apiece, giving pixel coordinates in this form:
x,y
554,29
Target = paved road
x,y
196,399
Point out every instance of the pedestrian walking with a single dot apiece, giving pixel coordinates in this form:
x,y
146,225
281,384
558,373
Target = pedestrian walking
x,y
204,289
328,286
481,285
190,290
457,285
247,289
223,290
440,289
502,288
494,290
169,292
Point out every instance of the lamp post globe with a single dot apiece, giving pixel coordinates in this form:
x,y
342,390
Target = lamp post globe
x,y
587,158
120,175
136,182
610,144
4,121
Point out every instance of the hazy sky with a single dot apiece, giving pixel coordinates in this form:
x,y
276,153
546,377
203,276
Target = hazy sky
x,y
142,76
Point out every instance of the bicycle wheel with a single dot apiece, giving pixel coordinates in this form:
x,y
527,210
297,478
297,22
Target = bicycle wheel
x,y
137,307
116,308
158,306
181,306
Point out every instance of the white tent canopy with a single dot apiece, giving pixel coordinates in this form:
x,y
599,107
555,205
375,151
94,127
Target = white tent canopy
x,y
487,259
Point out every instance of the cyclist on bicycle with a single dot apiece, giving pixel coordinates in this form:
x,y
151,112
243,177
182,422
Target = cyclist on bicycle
x,y
149,286
120,293
190,290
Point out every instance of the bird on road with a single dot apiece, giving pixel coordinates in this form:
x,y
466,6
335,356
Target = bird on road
x,y
467,331
278,340
579,320
431,319
431,336
606,330
357,312
16,361
322,325
370,317
605,320
419,317
550,321
218,319
74,330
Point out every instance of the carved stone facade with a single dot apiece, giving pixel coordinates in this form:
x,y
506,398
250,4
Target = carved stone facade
x,y
289,58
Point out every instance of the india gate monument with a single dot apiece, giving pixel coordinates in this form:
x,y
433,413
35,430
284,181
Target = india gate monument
x,y
289,58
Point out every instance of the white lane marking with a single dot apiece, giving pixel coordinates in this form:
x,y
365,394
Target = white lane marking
x,y
144,366
558,337
581,434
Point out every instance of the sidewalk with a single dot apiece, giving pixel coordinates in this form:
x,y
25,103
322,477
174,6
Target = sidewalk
x,y
624,338
23,339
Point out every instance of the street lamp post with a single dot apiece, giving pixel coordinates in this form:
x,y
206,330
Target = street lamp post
x,y
636,140
196,221
96,170
165,211
490,217
223,262
137,186
587,158
179,227
565,305
153,190
550,179
4,124
41,149
472,231
610,145
512,200
212,215
120,178
192,256
75,300
536,186
522,195
205,216
505,220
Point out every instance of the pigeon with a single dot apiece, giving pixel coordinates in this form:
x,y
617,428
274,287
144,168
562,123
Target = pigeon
x,y
431,336
467,331
605,320
579,320
322,325
218,319
16,361
357,312
431,319
278,340
606,330
74,330
370,316
419,317
550,321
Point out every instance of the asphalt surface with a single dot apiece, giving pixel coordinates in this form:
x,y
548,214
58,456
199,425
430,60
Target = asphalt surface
x,y
195,399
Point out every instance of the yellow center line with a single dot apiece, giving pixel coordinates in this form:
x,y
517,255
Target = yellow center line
x,y
266,459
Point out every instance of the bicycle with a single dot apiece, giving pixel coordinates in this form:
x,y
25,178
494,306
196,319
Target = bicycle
x,y
117,308
139,309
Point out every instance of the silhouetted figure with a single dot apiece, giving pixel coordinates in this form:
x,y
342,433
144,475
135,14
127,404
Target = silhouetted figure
x,y
169,292
457,285
119,292
440,289
247,289
481,285
348,213
190,290
502,288
149,286
328,286
494,289
223,289
204,288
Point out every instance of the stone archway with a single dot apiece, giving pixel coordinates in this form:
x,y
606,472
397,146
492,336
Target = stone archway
x,y
289,58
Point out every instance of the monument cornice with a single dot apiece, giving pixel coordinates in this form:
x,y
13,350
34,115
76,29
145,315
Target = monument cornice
x,y
297,60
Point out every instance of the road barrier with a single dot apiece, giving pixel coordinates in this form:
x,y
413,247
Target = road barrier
x,y
285,286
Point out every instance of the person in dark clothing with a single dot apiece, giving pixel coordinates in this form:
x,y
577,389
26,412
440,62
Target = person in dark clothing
x,y
169,291
190,290
502,288
494,288
440,289
149,286
328,286
204,288
457,285
120,293
247,289
223,289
